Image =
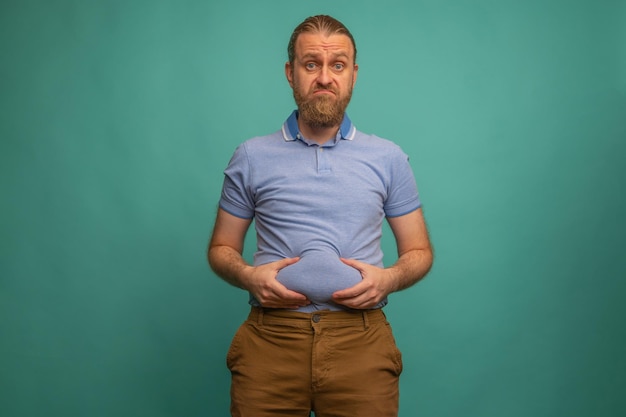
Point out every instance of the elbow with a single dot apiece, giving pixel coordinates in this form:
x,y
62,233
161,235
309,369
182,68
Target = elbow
x,y
430,259
426,261
429,254
212,258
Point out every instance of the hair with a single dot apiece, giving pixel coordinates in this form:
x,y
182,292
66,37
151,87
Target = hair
x,y
318,24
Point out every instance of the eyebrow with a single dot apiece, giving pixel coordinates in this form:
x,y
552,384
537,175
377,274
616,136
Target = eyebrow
x,y
316,55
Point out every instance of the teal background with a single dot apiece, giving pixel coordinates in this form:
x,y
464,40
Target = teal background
x,y
118,117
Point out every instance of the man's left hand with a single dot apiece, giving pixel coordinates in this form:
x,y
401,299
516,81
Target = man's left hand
x,y
373,288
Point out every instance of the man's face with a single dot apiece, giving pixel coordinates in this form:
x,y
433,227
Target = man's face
x,y
322,77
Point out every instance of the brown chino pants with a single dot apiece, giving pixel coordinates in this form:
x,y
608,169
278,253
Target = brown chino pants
x,y
338,364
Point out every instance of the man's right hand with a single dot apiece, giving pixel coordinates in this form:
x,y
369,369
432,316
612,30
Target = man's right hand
x,y
269,292
224,255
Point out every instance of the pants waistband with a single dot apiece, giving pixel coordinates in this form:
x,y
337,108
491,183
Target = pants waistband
x,y
326,318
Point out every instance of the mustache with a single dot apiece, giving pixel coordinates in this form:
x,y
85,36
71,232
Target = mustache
x,y
325,88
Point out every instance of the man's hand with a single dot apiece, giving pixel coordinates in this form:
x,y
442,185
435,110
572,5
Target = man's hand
x,y
415,257
261,282
225,258
376,284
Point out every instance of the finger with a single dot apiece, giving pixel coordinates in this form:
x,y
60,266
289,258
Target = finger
x,y
351,292
286,262
292,296
284,294
353,263
354,304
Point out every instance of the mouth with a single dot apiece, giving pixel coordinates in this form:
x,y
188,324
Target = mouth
x,y
323,91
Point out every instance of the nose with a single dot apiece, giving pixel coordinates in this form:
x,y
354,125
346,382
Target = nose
x,y
323,77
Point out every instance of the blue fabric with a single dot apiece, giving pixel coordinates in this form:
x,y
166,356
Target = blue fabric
x,y
319,203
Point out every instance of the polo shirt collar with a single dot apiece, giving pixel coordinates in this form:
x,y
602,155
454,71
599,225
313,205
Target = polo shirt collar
x,y
291,132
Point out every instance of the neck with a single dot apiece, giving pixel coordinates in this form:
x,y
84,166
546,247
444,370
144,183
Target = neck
x,y
320,135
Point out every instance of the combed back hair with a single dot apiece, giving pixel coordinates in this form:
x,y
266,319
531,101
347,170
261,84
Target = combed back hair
x,y
318,24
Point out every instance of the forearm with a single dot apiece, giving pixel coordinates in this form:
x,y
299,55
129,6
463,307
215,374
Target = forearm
x,y
229,265
260,281
410,267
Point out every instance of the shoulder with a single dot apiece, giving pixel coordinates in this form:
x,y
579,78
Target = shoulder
x,y
263,151
260,145
273,139
377,145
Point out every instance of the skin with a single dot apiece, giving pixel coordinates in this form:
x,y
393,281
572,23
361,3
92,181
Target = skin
x,y
323,65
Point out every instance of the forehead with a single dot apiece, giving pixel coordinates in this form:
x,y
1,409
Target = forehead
x,y
321,43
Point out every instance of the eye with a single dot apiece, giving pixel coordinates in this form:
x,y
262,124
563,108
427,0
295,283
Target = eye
x,y
339,66
310,66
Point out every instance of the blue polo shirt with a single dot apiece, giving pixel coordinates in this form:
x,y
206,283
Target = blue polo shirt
x,y
318,202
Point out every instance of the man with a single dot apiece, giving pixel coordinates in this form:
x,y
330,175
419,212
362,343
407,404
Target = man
x,y
316,338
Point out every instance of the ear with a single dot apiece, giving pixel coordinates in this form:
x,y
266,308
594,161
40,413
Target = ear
x,y
354,74
289,73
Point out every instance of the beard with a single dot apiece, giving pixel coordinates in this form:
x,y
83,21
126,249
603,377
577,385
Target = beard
x,y
322,111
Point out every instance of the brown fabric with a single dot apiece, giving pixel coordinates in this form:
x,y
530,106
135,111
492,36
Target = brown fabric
x,y
339,364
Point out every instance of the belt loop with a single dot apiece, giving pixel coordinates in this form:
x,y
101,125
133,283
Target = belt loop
x,y
259,317
366,321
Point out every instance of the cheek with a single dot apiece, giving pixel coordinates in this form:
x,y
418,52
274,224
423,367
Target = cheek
x,y
302,82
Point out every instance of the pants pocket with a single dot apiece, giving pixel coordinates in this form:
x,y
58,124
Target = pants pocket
x,y
234,350
396,355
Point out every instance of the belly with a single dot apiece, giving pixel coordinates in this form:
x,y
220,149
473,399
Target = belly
x,y
318,275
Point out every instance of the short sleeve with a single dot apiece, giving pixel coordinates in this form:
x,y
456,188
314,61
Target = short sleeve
x,y
236,197
402,194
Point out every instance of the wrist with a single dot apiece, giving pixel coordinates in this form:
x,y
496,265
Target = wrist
x,y
392,278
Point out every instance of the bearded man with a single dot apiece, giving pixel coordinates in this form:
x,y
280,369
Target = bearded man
x,y
316,338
